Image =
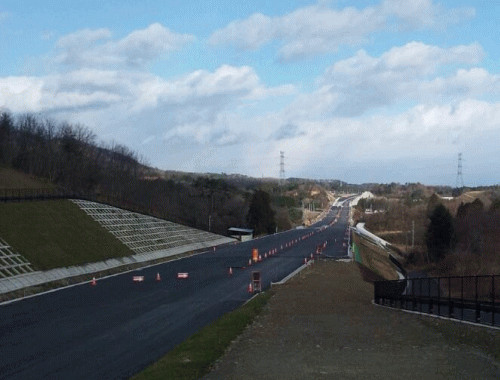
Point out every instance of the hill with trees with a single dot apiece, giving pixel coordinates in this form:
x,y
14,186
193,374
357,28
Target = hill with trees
x,y
70,158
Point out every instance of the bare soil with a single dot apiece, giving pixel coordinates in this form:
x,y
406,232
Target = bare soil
x,y
322,325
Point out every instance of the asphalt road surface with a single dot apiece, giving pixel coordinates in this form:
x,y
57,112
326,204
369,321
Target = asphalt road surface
x,y
117,328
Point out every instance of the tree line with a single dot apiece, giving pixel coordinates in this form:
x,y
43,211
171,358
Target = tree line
x,y
71,157
467,242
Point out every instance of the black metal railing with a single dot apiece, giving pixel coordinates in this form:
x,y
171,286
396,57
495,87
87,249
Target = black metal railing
x,y
469,298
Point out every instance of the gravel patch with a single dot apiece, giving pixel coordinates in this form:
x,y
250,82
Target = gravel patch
x,y
322,325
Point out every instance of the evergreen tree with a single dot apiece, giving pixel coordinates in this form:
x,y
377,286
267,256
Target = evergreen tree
x,y
440,233
260,216
6,127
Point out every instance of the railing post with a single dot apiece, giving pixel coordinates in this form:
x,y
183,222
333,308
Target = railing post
x,y
400,292
478,306
462,298
420,295
493,300
450,303
406,295
439,296
430,297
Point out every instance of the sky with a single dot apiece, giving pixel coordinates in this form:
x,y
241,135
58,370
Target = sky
x,y
362,91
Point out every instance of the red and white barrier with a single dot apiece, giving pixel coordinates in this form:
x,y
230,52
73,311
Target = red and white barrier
x,y
138,278
181,275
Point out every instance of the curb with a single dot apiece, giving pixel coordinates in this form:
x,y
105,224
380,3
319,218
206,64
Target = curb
x,y
88,281
296,271
461,321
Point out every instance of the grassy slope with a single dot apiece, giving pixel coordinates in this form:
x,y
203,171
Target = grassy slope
x,y
53,234
13,179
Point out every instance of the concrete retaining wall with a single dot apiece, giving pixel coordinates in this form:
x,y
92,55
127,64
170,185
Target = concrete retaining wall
x,y
36,278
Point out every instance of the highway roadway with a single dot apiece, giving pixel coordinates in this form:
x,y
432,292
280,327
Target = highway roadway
x,y
117,328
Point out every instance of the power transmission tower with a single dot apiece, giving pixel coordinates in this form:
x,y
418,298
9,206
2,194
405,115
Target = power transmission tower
x,y
282,168
460,178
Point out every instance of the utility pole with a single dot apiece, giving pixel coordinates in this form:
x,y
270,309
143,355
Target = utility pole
x,y
282,168
460,178
209,222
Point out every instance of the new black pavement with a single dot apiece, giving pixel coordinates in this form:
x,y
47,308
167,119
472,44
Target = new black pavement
x,y
117,328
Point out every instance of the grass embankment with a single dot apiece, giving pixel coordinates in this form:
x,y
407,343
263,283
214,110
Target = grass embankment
x,y
52,234
193,358
13,179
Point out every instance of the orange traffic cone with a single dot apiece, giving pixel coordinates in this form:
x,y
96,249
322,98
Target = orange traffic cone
x,y
265,255
305,260
230,271
93,282
250,288
158,278
249,262
260,258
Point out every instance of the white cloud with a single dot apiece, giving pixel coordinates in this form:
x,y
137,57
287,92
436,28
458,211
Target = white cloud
x,y
83,38
138,106
424,59
95,48
247,34
47,35
227,83
473,82
72,91
307,30
21,94
422,131
421,14
359,83
318,29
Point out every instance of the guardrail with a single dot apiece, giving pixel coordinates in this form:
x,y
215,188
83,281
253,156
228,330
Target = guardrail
x,y
467,298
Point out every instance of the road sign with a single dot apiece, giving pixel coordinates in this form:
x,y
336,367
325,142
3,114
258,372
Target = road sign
x,y
256,282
